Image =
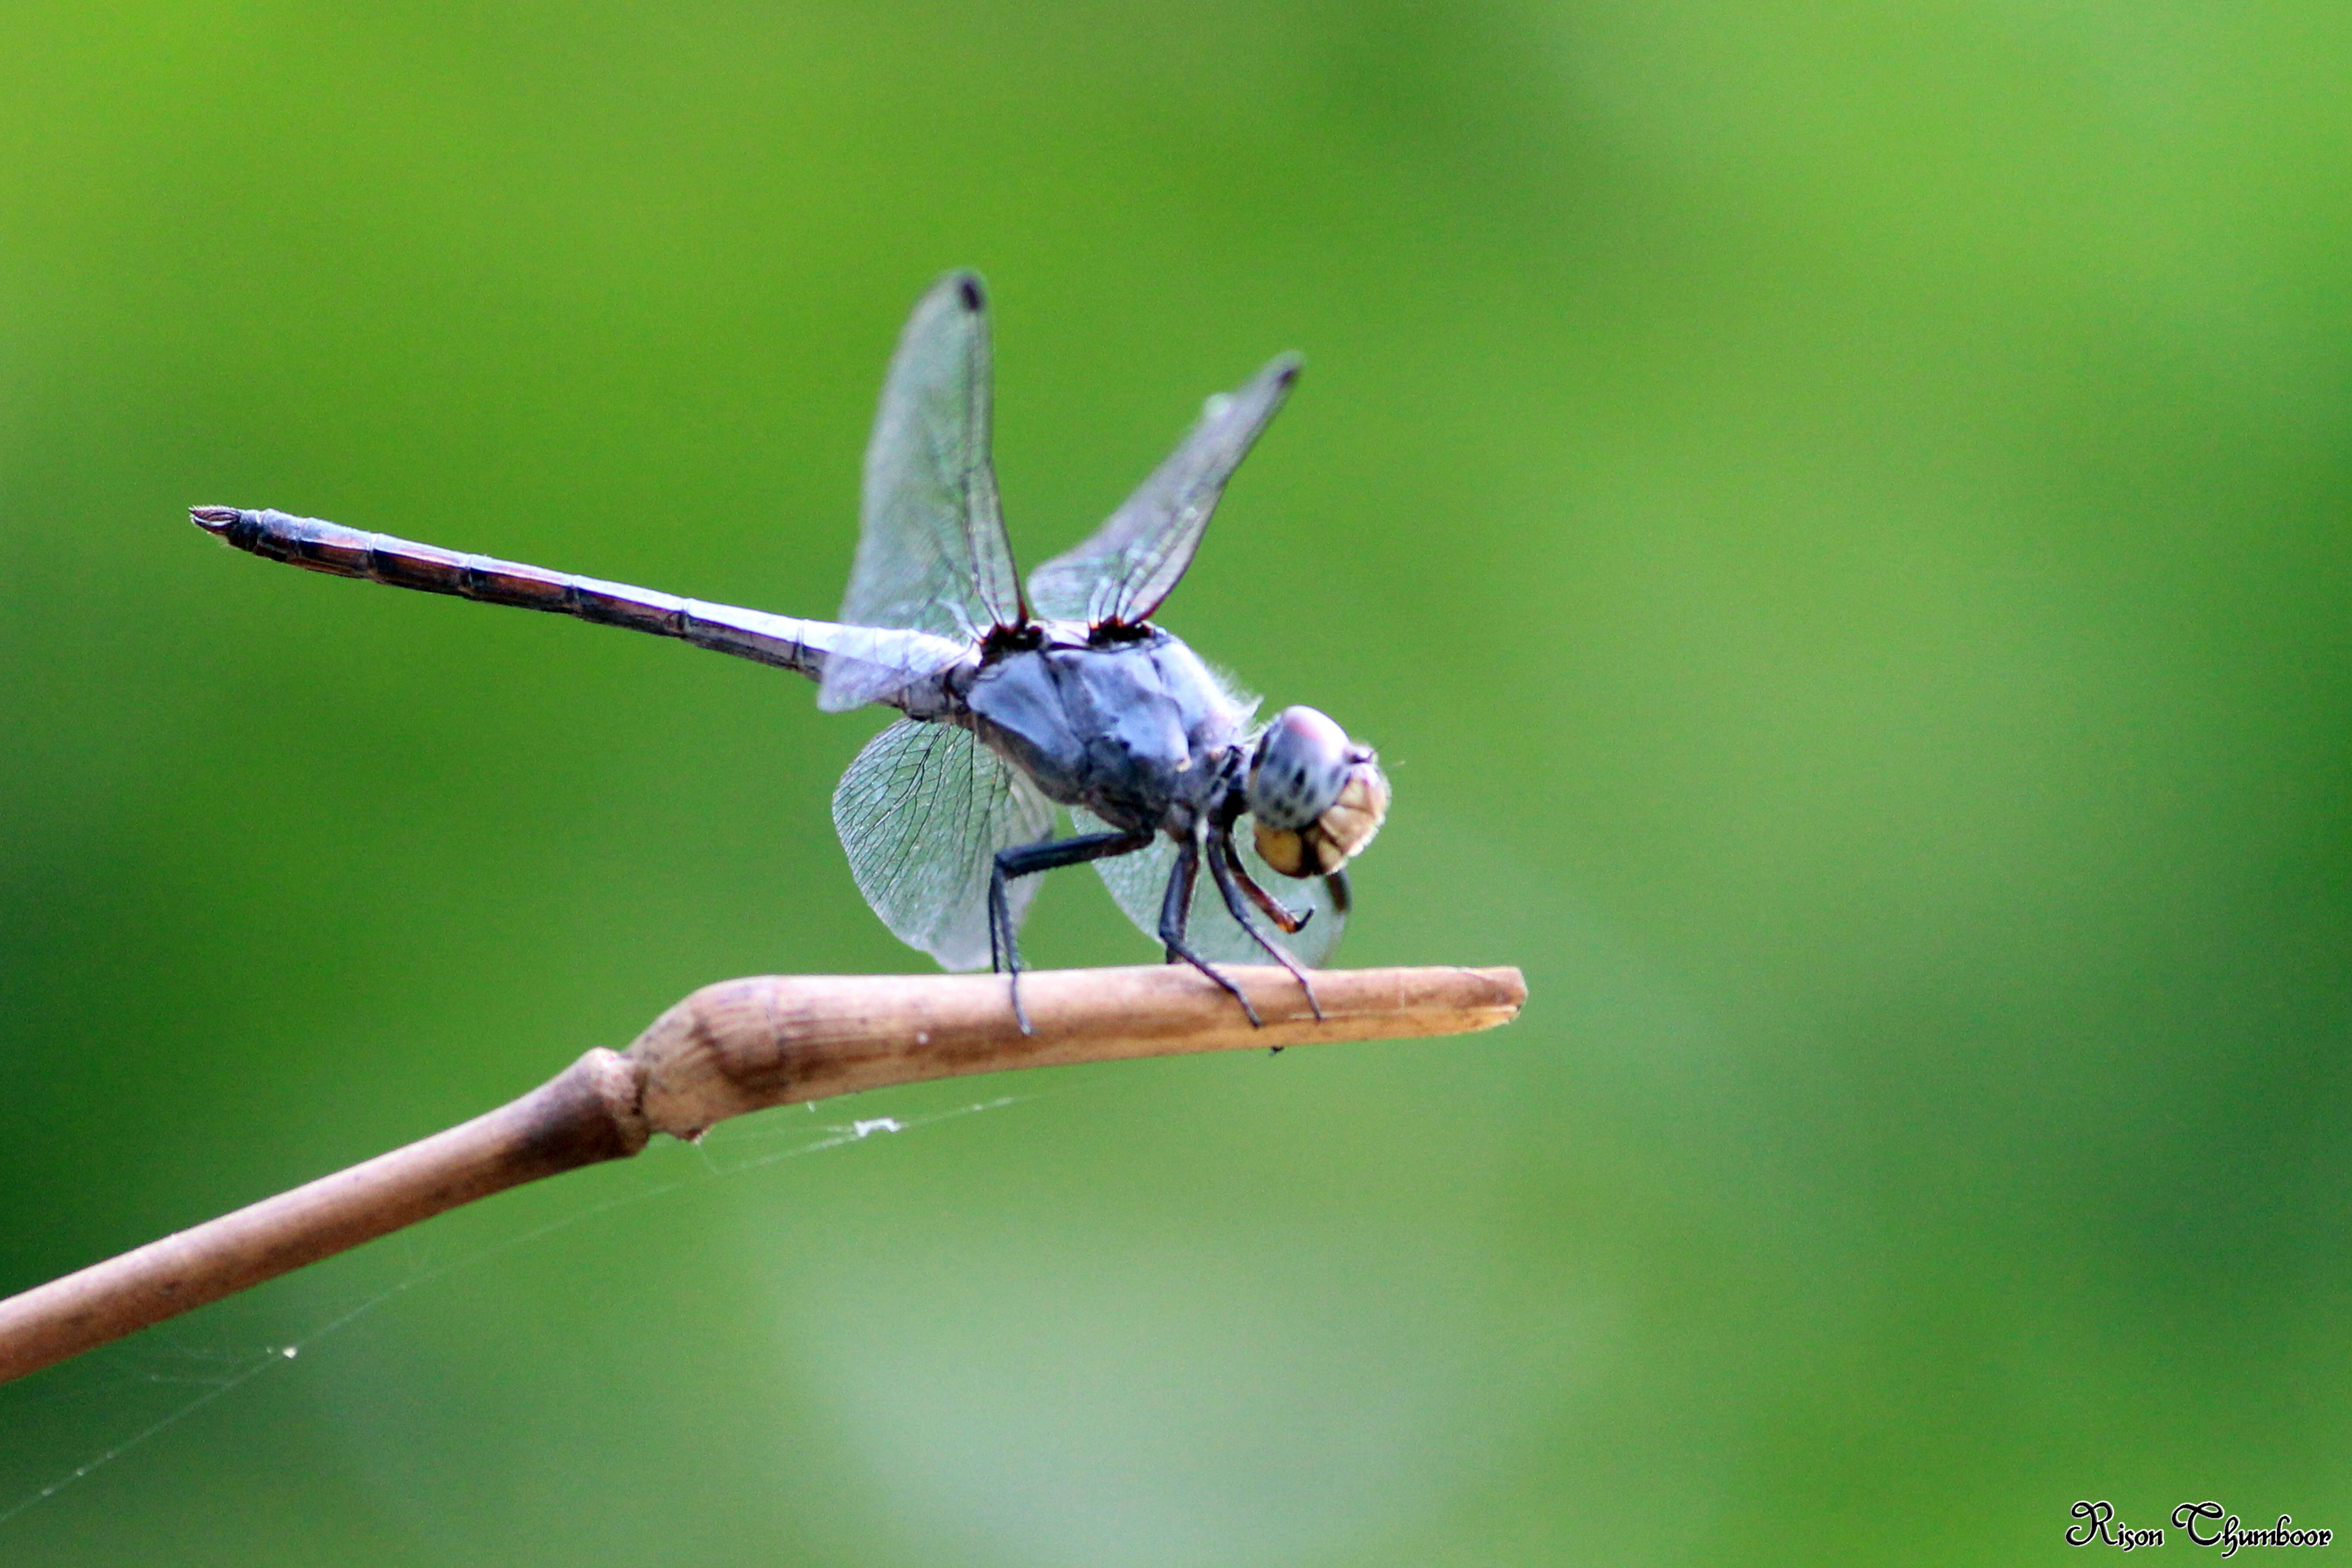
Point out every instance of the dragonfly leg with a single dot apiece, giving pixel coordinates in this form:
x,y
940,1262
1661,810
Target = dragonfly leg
x,y
1027,860
1175,906
1284,919
1231,879
1176,903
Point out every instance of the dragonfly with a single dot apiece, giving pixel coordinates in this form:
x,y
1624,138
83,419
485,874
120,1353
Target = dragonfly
x,y
1012,701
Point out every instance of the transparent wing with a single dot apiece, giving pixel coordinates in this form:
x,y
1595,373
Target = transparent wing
x,y
1139,881
931,551
922,813
1133,561
863,664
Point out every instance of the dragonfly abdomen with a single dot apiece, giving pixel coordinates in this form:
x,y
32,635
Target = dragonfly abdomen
x,y
320,546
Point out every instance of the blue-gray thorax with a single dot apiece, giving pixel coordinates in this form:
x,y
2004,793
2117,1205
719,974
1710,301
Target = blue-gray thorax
x,y
1135,730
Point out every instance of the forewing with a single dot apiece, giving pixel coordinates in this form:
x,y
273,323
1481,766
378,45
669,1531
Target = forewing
x,y
922,813
931,551
1139,881
1133,561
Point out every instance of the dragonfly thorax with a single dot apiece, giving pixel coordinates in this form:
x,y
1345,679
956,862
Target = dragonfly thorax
x,y
1136,731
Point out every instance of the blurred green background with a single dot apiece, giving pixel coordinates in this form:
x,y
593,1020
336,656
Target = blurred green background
x,y
1836,518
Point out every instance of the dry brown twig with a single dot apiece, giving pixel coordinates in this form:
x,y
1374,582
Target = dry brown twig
x,y
730,1049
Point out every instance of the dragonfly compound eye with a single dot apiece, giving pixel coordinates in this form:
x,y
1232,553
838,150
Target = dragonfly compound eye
x,y
1316,796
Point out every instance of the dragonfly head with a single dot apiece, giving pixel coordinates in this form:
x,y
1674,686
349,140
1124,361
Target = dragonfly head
x,y
1316,796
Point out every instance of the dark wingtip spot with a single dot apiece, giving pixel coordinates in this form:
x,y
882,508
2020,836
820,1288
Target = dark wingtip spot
x,y
1286,368
968,288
